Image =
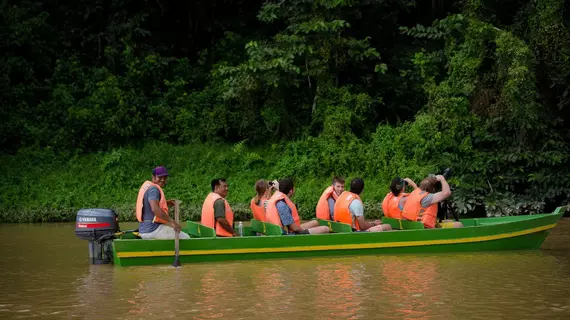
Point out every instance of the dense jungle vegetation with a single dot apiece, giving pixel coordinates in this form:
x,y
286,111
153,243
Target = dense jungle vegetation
x,y
96,93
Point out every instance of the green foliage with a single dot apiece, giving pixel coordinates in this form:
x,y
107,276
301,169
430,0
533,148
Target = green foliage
x,y
302,60
282,88
486,108
50,187
98,76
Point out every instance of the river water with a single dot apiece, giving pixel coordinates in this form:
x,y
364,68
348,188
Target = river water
x,y
45,274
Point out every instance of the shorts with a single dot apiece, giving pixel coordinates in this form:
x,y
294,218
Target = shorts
x,y
163,232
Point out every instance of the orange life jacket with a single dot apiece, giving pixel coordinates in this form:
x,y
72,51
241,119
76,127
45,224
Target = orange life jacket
x,y
271,213
323,210
209,219
385,202
161,203
390,205
258,211
414,211
342,211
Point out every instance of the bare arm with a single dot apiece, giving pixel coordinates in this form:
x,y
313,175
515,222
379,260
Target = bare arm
x,y
411,183
163,215
225,225
444,193
295,228
365,225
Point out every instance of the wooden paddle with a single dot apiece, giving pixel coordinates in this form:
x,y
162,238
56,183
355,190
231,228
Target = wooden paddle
x,y
176,262
401,217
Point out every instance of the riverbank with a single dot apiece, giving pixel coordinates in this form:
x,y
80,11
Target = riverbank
x,y
486,95
42,186
45,186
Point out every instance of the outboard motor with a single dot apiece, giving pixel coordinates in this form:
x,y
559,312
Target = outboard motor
x,y
98,226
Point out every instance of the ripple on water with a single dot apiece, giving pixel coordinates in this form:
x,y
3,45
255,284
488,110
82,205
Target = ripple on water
x,y
57,282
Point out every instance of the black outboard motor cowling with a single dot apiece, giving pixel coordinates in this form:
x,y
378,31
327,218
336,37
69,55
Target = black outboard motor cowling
x,y
98,226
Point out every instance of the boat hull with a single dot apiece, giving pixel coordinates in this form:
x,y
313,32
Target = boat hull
x,y
510,233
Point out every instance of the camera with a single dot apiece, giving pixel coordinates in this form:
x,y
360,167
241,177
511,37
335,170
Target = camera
x,y
445,208
447,173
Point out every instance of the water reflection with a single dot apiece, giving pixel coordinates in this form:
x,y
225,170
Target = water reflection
x,y
410,284
92,290
53,279
211,288
268,284
339,287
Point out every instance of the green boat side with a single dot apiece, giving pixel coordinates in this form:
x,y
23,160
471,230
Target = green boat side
x,y
487,234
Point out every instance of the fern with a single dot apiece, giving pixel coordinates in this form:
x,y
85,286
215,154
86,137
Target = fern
x,y
239,147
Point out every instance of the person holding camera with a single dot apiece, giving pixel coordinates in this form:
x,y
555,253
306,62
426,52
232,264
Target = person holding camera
x,y
394,201
263,191
422,203
325,206
282,211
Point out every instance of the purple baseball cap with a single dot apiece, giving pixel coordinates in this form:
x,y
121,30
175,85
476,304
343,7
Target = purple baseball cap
x,y
159,171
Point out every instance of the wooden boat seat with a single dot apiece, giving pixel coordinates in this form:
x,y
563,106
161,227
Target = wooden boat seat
x,y
268,229
405,224
197,230
336,227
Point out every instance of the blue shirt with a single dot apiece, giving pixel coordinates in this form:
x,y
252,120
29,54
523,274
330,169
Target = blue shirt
x,y
147,226
285,214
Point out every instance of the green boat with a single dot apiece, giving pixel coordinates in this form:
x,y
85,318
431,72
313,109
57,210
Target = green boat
x,y
264,241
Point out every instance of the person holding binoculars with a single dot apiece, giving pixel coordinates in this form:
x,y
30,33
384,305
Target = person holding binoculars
x,y
394,201
422,203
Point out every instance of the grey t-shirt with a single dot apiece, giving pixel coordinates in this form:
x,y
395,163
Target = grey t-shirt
x,y
426,201
147,226
331,207
356,208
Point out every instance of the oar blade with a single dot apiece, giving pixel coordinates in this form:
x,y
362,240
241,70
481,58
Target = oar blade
x,y
176,262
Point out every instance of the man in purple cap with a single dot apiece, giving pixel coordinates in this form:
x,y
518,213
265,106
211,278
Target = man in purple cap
x,y
152,209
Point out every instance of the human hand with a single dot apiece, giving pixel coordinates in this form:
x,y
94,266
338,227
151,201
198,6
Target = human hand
x,y
275,185
440,178
176,226
377,222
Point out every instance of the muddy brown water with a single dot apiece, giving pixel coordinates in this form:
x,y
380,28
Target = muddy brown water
x,y
45,274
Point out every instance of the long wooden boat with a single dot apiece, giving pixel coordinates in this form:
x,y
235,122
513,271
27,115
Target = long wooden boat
x,y
485,234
